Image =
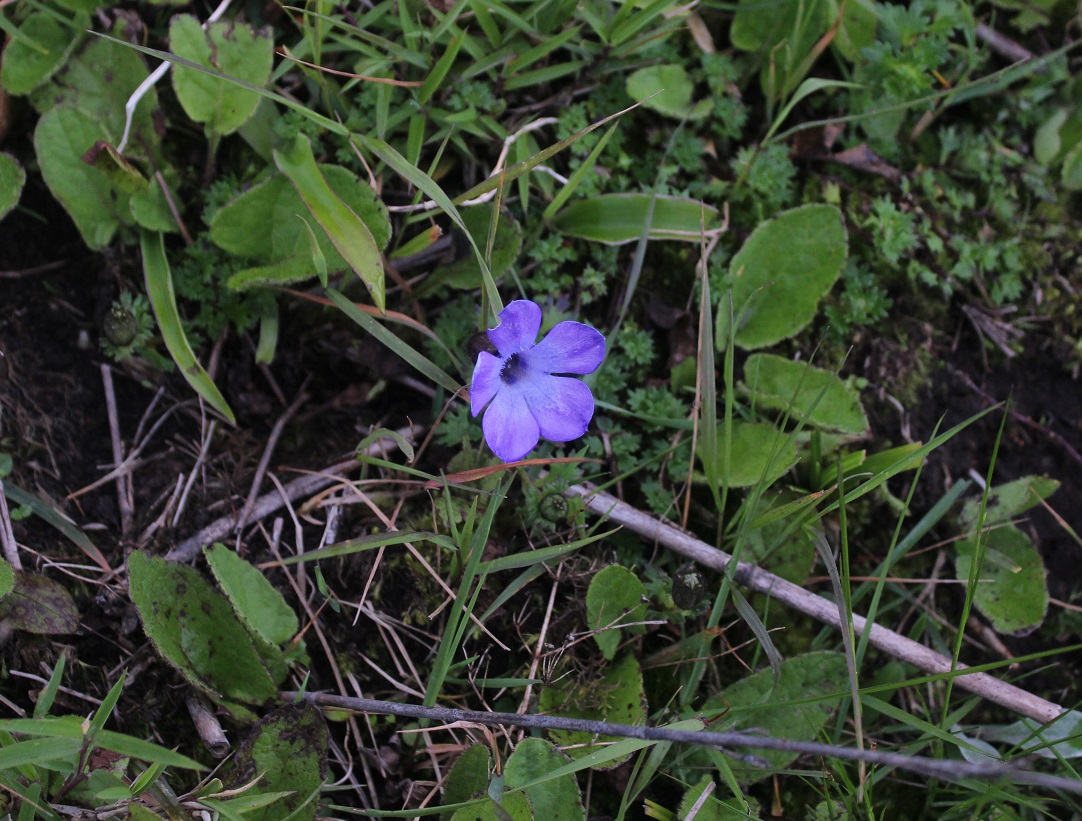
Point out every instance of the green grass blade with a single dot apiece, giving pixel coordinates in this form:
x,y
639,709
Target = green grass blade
x,y
399,347
159,283
54,517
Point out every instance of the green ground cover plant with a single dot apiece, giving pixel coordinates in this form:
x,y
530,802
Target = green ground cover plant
x,y
612,307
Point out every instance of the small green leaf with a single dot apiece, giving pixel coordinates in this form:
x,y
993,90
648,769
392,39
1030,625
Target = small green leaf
x,y
617,697
150,209
39,605
464,271
554,799
193,628
797,708
254,598
1072,168
121,174
616,596
31,58
288,749
12,179
468,778
1007,501
714,808
512,807
667,89
782,271
159,284
7,578
759,453
617,219
811,395
1012,587
345,229
232,48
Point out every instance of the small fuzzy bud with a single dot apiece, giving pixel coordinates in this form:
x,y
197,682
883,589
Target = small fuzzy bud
x,y
478,342
120,326
554,508
688,587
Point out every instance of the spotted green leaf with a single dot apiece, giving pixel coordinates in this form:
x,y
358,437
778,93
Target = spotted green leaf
x,y
1012,587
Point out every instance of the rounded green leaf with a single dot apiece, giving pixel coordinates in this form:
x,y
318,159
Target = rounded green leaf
x,y
1009,500
513,806
797,708
39,605
32,57
667,89
779,275
12,179
555,799
193,628
230,48
616,596
811,395
759,453
285,752
1012,587
468,778
617,697
616,219
254,598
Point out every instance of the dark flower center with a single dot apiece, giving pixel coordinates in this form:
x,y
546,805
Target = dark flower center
x,y
513,369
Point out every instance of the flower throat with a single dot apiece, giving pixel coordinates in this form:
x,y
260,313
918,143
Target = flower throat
x,y
513,369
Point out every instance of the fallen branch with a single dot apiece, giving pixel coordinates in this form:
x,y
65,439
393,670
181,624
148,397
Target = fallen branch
x,y
931,767
819,608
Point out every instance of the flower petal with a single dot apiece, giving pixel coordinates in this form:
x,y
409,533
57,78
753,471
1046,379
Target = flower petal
x,y
519,323
486,380
510,429
563,407
570,347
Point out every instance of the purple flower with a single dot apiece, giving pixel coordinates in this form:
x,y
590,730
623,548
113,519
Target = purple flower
x,y
521,385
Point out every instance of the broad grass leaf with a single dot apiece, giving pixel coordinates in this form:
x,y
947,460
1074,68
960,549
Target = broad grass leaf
x,y
797,708
810,394
1009,500
617,219
38,751
468,778
782,271
759,453
255,600
288,748
39,605
159,284
615,596
667,89
617,697
1012,586
40,47
193,628
12,179
554,799
346,229
230,47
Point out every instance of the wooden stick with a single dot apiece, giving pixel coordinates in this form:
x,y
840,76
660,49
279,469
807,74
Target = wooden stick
x,y
819,608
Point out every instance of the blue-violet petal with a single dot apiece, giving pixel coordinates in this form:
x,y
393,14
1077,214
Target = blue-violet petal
x,y
570,347
519,323
510,429
486,380
563,407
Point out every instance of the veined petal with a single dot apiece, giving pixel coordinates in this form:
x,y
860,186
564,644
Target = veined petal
x,y
519,323
486,380
563,407
510,429
570,347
